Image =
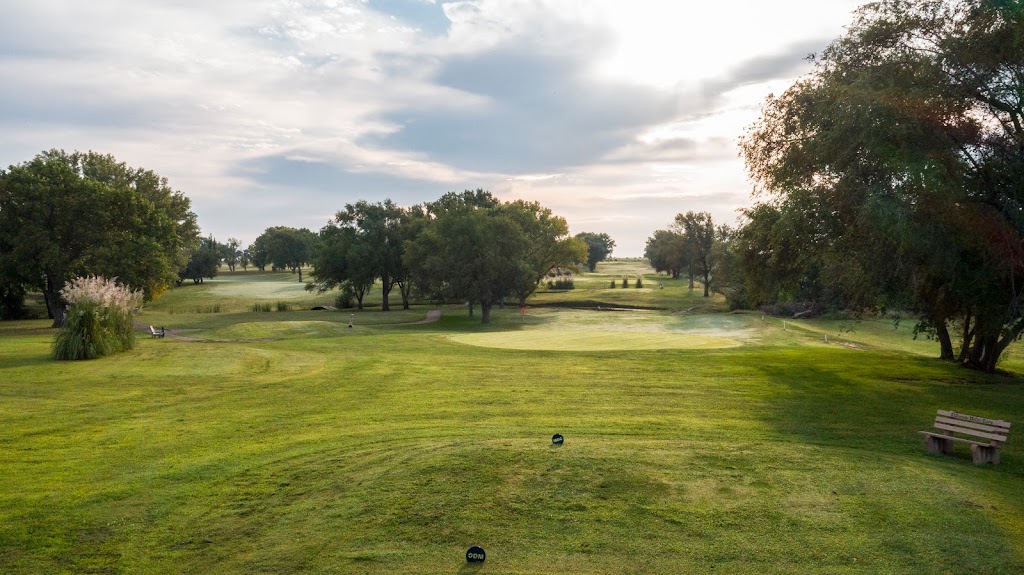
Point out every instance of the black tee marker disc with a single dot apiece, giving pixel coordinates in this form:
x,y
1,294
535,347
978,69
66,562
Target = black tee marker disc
x,y
476,555
557,439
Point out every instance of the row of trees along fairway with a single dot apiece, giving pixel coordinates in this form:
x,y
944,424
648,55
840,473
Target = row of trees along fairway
x,y
64,216
894,174
463,247
280,247
693,245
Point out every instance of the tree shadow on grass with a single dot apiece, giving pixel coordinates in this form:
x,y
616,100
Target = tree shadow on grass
x,y
37,360
879,401
856,422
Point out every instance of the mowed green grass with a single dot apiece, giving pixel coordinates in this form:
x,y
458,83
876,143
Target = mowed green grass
x,y
572,340
286,442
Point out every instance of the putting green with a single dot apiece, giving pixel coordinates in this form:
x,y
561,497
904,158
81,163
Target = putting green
x,y
570,340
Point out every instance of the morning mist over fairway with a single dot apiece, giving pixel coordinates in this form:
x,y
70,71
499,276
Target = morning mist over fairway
x,y
354,286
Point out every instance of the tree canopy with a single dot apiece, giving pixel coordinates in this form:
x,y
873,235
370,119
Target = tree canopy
x,y
70,215
599,247
666,250
284,247
474,248
894,172
364,243
204,261
464,246
691,244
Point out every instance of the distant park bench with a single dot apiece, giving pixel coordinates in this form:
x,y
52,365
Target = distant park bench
x,y
950,422
157,333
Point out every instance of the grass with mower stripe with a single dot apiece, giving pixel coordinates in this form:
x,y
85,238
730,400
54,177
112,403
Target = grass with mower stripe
x,y
293,444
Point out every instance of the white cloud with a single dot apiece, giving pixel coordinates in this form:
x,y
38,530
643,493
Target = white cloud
x,y
609,112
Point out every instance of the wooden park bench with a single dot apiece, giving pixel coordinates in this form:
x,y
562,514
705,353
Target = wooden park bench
x,y
951,422
155,333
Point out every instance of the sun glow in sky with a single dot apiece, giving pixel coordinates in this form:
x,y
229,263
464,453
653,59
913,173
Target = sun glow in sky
x,y
616,115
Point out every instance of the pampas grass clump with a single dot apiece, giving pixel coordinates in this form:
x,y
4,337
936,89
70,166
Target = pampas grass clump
x,y
99,319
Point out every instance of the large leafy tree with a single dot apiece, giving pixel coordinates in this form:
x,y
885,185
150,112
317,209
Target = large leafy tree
x,y
230,253
380,232
692,244
284,247
339,261
68,215
548,244
204,261
472,247
599,247
666,250
258,254
469,252
699,240
365,243
901,159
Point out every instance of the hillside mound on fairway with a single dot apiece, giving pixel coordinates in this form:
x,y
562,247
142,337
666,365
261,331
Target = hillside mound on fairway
x,y
578,340
275,330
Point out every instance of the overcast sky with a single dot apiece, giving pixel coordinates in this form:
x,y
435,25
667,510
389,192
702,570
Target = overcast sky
x,y
616,114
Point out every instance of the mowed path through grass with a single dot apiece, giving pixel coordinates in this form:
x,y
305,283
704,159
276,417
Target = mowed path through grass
x,y
392,449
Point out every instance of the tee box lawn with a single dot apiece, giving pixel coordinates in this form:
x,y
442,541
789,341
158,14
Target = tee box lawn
x,y
696,441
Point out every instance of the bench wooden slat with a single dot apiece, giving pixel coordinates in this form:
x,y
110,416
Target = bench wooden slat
x,y
954,438
972,425
973,432
975,419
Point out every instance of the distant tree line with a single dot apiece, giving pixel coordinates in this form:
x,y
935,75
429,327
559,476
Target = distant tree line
x,y
66,216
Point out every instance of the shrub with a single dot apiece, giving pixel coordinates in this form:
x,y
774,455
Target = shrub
x,y
639,281
282,306
625,281
612,284
562,282
261,307
99,320
345,300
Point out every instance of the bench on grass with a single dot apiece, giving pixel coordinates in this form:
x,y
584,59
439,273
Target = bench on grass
x,y
155,333
950,422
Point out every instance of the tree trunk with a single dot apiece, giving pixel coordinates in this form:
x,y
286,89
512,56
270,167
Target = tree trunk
x,y
385,291
54,305
690,273
707,286
470,302
300,275
983,354
966,343
945,342
485,312
405,288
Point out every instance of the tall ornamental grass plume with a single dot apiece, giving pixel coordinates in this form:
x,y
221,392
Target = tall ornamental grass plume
x,y
99,319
